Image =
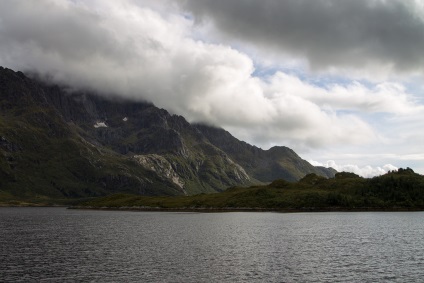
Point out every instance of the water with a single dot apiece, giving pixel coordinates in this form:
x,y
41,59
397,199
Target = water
x,y
59,245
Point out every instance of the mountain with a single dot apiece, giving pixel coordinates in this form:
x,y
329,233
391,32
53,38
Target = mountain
x,y
55,143
278,162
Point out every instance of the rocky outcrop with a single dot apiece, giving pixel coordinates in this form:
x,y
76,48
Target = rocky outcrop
x,y
161,166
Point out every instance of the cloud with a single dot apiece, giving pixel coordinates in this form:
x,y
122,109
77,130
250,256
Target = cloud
x,y
145,50
384,97
372,35
366,171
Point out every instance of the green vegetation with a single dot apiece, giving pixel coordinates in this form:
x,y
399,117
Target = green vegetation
x,y
402,189
51,152
45,164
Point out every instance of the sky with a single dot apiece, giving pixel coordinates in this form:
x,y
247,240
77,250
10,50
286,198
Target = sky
x,y
338,81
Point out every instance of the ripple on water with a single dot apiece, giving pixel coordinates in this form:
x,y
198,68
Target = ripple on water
x,y
59,245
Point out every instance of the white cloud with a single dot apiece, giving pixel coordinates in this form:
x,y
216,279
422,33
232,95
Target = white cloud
x,y
150,50
386,97
366,171
140,53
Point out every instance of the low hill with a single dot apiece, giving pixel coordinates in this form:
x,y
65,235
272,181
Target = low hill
x,y
402,189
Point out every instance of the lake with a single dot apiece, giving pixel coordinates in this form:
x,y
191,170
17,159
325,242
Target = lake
x,y
61,245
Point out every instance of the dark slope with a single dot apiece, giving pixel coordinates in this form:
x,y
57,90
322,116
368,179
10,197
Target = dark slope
x,y
55,144
42,156
166,144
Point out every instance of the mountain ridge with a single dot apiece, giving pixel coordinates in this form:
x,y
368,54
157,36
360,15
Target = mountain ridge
x,y
266,165
56,143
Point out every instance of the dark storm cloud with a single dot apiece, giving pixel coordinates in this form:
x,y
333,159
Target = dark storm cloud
x,y
329,33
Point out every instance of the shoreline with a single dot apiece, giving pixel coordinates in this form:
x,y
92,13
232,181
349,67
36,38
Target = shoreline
x,y
255,209
32,205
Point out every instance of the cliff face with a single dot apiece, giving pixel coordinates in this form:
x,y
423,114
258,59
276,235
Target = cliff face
x,y
59,144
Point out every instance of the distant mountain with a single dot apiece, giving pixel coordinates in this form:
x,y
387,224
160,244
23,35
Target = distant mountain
x,y
56,144
278,162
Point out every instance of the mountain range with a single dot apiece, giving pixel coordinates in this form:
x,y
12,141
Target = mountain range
x,y
56,143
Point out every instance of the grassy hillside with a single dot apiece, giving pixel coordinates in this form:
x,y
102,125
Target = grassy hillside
x,y
395,190
42,160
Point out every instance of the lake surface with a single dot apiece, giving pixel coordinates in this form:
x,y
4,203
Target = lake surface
x,y
60,245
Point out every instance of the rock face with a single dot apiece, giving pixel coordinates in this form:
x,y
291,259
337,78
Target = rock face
x,y
59,144
161,166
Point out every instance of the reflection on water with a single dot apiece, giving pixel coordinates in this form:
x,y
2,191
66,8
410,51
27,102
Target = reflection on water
x,y
57,245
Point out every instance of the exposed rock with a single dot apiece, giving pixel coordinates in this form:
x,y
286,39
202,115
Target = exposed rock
x,y
161,166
